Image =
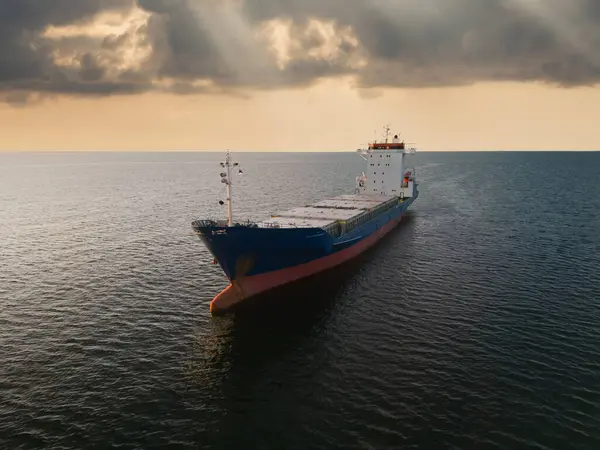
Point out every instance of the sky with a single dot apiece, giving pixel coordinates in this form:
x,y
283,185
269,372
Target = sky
x,y
298,75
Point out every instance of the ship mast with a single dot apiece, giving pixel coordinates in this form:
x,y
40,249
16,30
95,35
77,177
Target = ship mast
x,y
227,180
228,184
386,133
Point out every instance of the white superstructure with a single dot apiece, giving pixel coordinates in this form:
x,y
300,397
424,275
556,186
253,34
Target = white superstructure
x,y
386,172
384,183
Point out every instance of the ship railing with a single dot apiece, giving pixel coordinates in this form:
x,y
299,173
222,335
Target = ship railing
x,y
413,173
369,215
345,208
270,225
208,223
246,224
278,225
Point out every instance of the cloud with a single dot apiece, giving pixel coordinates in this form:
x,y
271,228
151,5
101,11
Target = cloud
x,y
107,47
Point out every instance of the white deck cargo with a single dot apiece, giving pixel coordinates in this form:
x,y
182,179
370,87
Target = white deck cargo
x,y
326,212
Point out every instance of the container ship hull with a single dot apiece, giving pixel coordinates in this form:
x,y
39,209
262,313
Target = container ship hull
x,y
257,260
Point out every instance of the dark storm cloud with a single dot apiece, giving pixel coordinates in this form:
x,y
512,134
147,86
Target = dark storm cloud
x,y
26,61
403,42
447,42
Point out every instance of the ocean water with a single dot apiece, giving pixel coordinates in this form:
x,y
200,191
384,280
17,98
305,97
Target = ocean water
x,y
474,325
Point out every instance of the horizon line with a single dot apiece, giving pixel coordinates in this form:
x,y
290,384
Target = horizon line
x,y
5,151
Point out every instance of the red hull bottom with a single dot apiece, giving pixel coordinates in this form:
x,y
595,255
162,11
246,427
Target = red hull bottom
x,y
240,290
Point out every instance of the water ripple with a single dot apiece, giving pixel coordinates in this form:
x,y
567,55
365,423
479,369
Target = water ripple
x,y
475,325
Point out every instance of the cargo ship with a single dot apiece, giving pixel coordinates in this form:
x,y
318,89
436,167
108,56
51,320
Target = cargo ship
x,y
258,256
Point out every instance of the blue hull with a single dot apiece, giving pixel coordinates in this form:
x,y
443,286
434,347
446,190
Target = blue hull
x,y
244,251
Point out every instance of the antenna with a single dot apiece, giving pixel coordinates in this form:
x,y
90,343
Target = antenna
x,y
386,133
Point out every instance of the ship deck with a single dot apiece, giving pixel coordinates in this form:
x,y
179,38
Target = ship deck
x,y
326,212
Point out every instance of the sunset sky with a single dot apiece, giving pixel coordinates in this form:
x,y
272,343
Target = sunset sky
x,y
315,75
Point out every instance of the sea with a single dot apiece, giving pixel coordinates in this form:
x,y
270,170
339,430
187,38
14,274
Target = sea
x,y
474,325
